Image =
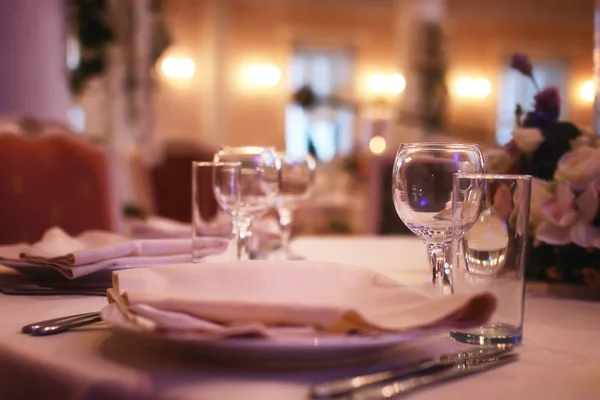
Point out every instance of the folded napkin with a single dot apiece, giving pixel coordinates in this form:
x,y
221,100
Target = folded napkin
x,y
160,227
91,251
274,299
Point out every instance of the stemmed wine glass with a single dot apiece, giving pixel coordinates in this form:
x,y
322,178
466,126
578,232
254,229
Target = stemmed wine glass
x,y
422,185
251,192
297,178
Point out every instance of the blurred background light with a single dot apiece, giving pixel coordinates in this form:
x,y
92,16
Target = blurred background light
x,y
380,83
377,83
481,88
587,91
377,145
178,68
473,87
263,75
396,83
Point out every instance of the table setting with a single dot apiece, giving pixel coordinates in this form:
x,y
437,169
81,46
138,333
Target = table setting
x,y
214,309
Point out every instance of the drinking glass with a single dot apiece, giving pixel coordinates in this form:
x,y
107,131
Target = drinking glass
x,y
297,180
251,193
492,212
422,194
207,232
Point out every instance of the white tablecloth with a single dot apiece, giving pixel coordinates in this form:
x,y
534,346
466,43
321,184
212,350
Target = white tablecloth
x,y
560,356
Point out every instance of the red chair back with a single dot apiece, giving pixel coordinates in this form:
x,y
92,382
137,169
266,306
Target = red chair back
x,y
52,181
172,183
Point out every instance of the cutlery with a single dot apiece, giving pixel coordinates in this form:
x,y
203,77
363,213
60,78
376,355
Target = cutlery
x,y
438,375
56,325
346,385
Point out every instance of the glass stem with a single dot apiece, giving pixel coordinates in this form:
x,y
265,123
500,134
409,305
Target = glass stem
x,y
437,255
242,236
285,223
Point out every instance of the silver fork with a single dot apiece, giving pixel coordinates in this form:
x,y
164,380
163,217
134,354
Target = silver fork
x,y
61,324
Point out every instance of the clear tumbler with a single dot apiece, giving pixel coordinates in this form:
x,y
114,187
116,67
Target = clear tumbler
x,y
489,248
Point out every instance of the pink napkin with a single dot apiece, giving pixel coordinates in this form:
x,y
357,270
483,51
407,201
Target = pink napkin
x,y
91,251
274,298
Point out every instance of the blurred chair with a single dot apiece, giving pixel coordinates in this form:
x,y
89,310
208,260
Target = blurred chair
x,y
172,182
49,181
382,218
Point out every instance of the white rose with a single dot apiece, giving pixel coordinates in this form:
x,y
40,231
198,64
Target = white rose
x,y
579,167
497,161
528,139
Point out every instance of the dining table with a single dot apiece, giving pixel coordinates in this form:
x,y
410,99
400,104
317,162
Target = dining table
x,y
559,356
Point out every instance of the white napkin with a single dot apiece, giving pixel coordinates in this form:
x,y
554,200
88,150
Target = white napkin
x,y
96,250
271,299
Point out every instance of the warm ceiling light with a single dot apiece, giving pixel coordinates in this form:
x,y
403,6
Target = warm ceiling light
x,y
469,87
396,83
254,74
377,83
178,68
464,87
377,145
267,75
587,91
481,88
272,76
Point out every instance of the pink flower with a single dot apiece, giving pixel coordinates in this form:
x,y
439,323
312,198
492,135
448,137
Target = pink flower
x,y
583,233
569,219
561,209
522,63
540,195
580,167
559,215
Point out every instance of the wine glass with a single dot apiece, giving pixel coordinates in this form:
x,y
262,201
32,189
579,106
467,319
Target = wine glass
x,y
422,185
209,178
297,178
251,192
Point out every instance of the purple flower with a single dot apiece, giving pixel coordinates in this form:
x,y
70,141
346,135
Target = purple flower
x,y
539,119
522,63
548,101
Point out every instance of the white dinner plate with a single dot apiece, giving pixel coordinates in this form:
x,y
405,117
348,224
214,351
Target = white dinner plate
x,y
298,350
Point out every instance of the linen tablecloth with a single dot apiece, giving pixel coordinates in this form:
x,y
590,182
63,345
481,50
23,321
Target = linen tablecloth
x,y
560,358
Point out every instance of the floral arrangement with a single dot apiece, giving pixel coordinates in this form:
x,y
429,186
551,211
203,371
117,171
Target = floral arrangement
x,y
88,20
565,209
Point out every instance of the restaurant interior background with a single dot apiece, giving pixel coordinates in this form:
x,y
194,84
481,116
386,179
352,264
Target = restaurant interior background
x,y
160,83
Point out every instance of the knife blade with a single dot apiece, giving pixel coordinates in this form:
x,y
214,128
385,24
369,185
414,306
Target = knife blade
x,y
343,386
29,328
397,388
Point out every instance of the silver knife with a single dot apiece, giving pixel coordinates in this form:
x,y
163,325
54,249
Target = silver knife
x,y
51,329
346,385
403,386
